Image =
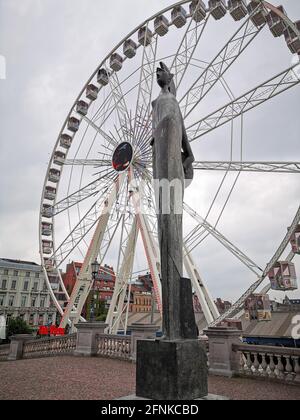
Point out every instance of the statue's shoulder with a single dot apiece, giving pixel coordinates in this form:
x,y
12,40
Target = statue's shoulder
x,y
154,103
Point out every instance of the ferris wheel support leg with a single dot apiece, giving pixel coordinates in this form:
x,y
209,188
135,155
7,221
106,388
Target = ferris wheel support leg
x,y
84,281
116,308
207,303
150,245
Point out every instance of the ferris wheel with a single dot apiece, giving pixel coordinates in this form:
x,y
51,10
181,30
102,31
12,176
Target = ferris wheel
x,y
98,200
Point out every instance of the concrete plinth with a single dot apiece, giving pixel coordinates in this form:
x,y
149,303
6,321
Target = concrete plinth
x,y
16,346
222,360
171,370
86,337
209,397
141,332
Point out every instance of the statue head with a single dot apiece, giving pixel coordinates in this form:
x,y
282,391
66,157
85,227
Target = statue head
x,y
165,78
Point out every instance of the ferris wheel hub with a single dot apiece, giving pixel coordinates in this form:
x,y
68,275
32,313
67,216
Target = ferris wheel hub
x,y
122,157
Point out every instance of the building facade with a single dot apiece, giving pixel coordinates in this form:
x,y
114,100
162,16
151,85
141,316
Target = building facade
x,y
24,293
101,293
142,302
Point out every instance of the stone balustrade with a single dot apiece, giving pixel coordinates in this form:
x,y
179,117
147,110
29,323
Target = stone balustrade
x,y
4,352
114,346
51,346
266,362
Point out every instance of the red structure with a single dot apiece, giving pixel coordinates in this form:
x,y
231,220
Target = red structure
x,y
69,277
104,283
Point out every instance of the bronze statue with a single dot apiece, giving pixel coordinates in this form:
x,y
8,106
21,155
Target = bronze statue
x,y
172,165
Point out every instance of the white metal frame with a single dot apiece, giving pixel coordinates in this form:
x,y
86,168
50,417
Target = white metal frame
x,y
137,130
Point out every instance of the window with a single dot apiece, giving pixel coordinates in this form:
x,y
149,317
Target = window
x,y
6,272
33,302
42,302
11,300
31,319
4,284
41,319
16,273
27,274
23,301
50,319
26,285
37,275
35,287
13,284
2,299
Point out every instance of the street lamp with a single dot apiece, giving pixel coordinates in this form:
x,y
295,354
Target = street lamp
x,y
95,270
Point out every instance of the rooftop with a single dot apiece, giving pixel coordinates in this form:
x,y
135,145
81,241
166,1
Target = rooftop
x,y
76,378
19,264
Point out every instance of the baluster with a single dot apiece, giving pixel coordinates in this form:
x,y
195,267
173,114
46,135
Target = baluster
x,y
289,369
256,364
108,345
296,361
249,363
243,363
120,348
264,365
280,367
272,366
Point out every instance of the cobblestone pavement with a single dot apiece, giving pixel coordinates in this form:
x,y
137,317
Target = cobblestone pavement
x,y
66,378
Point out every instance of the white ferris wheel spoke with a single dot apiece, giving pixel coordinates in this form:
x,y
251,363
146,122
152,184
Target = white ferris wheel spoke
x,y
263,167
84,280
87,162
218,67
187,48
224,241
100,185
110,140
250,100
207,303
79,232
144,94
117,307
120,106
284,244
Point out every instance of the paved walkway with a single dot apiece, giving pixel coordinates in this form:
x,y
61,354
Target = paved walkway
x,y
71,378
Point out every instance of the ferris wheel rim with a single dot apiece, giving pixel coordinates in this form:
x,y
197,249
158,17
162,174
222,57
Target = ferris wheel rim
x,y
268,5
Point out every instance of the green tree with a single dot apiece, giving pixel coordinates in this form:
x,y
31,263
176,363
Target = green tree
x,y
17,326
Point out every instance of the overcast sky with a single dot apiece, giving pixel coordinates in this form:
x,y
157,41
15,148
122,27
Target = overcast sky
x,y
51,48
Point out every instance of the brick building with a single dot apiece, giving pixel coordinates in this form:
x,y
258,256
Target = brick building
x,y
102,290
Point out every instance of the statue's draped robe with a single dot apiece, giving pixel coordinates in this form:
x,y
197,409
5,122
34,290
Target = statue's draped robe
x,y
168,132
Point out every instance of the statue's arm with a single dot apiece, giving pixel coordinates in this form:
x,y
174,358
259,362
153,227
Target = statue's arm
x,y
187,150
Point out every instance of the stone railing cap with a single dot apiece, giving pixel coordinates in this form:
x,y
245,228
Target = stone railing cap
x,y
22,337
143,327
91,325
222,330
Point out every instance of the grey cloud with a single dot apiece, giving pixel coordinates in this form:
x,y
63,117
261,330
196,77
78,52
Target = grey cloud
x,y
52,47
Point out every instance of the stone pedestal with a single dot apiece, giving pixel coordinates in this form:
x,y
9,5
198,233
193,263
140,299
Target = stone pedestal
x,y
171,370
222,360
141,332
16,345
86,337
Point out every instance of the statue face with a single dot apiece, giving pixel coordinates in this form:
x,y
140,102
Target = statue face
x,y
163,78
